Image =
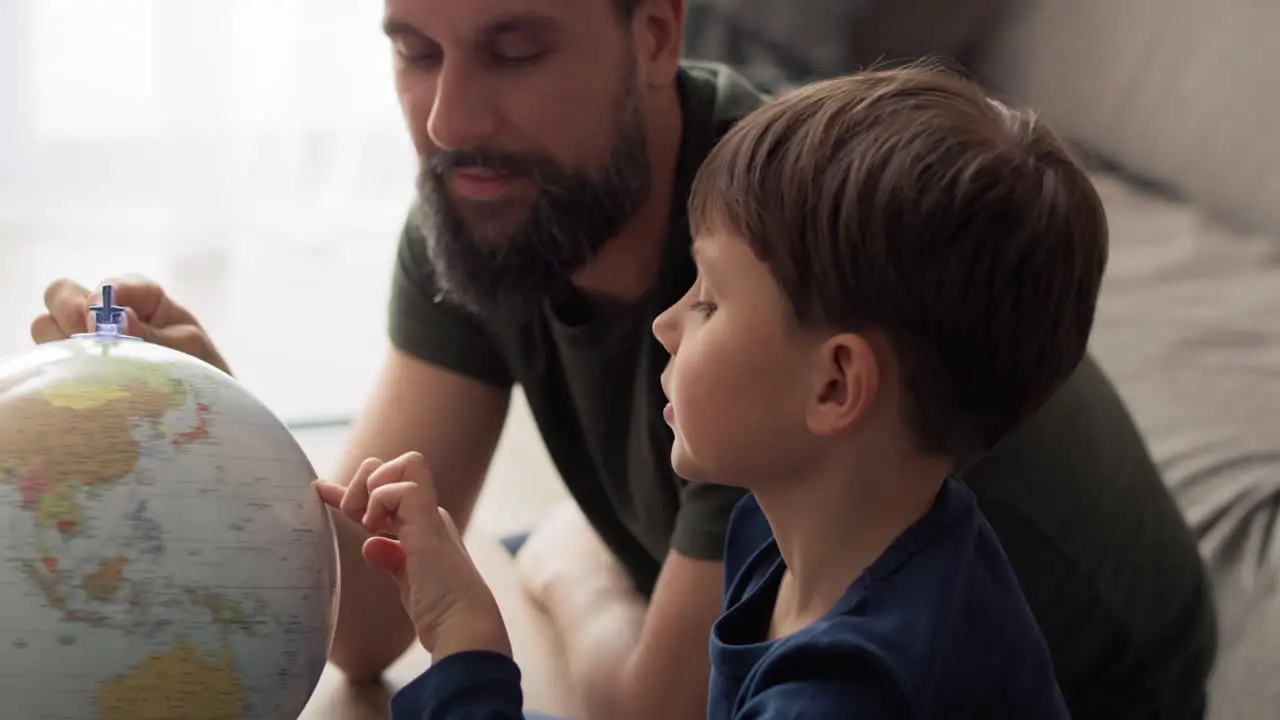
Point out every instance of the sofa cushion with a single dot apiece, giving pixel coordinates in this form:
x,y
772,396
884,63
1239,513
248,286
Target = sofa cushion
x,y
1188,328
1183,92
777,44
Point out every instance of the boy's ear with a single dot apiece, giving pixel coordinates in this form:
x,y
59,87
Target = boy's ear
x,y
847,380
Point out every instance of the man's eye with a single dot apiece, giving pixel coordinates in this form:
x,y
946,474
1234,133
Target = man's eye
x,y
416,54
520,59
518,49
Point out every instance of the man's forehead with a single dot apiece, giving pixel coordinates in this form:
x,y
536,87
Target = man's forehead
x,y
422,14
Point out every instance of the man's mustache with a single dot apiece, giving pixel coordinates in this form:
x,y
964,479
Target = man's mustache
x,y
441,162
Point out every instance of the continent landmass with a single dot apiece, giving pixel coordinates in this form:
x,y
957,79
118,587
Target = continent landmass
x,y
175,683
76,436
63,442
81,433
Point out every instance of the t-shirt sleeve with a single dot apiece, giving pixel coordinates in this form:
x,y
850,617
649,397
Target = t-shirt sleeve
x,y
434,330
703,519
475,685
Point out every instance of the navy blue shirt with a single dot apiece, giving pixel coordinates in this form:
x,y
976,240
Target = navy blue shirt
x,y
936,627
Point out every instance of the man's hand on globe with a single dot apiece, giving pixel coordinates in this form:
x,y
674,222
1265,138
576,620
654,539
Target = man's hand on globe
x,y
451,607
150,315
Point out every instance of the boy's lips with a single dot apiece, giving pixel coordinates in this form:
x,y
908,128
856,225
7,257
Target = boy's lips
x,y
669,410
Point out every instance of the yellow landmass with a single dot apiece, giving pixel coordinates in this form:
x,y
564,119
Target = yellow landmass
x,y
82,442
103,584
175,683
82,394
107,379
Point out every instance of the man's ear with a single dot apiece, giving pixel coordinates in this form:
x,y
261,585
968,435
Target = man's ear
x,y
846,381
658,29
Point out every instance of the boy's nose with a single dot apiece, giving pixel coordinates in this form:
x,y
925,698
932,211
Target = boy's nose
x,y
666,328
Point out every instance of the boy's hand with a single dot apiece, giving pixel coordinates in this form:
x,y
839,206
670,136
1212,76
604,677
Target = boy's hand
x,y
442,591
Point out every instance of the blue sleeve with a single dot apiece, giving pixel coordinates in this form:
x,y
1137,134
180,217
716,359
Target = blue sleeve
x,y
825,699
832,675
476,685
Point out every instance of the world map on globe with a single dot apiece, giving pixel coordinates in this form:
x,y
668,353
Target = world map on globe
x,y
162,551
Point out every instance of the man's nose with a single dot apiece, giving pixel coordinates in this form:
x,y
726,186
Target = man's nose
x,y
462,114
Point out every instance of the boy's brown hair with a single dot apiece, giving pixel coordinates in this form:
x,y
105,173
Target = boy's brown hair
x,y
908,202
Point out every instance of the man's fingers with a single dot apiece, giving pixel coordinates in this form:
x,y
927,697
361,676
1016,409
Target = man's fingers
x,y
44,329
68,304
356,500
185,338
146,298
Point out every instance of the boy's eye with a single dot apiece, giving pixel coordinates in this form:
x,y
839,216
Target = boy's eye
x,y
703,307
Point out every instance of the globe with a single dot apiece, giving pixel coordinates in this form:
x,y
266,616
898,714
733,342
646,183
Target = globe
x,y
163,553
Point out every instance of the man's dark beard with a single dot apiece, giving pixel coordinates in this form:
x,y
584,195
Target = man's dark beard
x,y
495,269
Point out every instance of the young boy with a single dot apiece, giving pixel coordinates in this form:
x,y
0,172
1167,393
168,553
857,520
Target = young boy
x,y
894,271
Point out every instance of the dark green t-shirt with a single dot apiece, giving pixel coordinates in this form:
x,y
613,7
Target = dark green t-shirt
x,y
1103,556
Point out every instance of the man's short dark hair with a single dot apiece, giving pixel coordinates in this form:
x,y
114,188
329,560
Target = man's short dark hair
x,y
908,202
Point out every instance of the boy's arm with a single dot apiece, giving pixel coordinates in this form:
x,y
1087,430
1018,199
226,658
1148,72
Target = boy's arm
x,y
454,614
479,685
822,699
837,674
455,423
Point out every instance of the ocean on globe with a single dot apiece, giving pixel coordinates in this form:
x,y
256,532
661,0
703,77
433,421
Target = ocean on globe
x,y
163,554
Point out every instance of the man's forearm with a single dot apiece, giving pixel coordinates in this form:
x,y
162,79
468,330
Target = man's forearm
x,y
637,660
599,623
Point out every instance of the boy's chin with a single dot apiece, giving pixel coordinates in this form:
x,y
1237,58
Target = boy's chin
x,y
684,465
